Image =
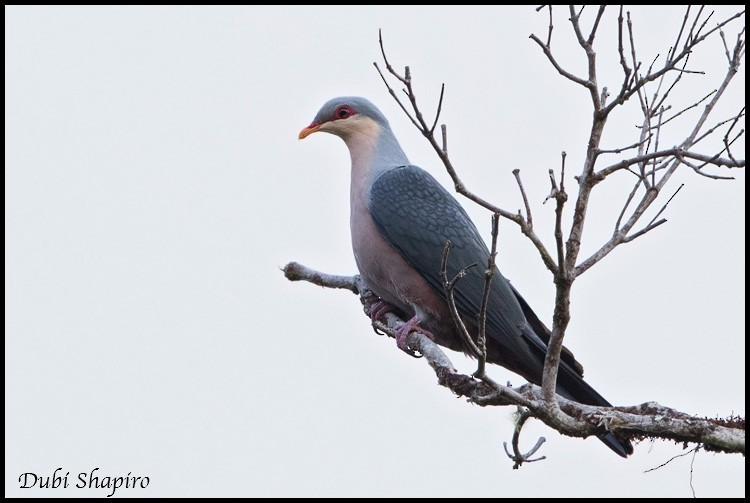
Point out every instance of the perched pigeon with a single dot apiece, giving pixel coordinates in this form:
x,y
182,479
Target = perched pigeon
x,y
401,218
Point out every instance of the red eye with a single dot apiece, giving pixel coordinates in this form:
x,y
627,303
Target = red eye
x,y
343,112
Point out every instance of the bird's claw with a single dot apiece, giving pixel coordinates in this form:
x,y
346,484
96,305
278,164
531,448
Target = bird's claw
x,y
404,330
379,309
403,345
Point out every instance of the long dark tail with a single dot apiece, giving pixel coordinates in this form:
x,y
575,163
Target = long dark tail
x,y
572,386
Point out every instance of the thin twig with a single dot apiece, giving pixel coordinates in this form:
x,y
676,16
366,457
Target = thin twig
x,y
439,108
395,97
549,30
448,287
626,70
666,204
685,18
648,228
689,107
547,52
517,174
562,171
627,203
692,462
727,144
680,72
518,458
599,14
622,149
560,198
698,170
710,131
444,147
488,275
656,144
672,459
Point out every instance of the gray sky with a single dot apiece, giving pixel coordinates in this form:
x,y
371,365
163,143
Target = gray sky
x,y
155,185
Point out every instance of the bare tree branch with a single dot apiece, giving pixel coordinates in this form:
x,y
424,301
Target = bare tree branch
x,y
647,420
294,271
548,52
666,153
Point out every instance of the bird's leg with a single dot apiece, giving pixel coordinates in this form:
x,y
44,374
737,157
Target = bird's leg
x,y
403,331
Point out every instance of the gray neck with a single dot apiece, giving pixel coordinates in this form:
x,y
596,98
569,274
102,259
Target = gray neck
x,y
388,153
374,150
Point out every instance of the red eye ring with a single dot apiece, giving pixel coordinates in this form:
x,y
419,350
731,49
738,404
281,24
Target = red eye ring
x,y
343,112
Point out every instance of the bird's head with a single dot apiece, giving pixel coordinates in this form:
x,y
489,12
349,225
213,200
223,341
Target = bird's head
x,y
346,116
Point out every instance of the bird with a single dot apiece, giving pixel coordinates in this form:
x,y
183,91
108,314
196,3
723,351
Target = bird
x,y
400,219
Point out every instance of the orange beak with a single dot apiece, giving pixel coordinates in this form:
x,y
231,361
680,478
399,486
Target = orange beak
x,y
309,130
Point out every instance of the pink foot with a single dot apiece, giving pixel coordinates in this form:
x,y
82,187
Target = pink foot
x,y
379,309
403,331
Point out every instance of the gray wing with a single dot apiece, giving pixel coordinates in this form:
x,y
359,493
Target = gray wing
x,y
416,215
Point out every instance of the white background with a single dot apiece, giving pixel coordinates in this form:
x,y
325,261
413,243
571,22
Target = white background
x,y
155,185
